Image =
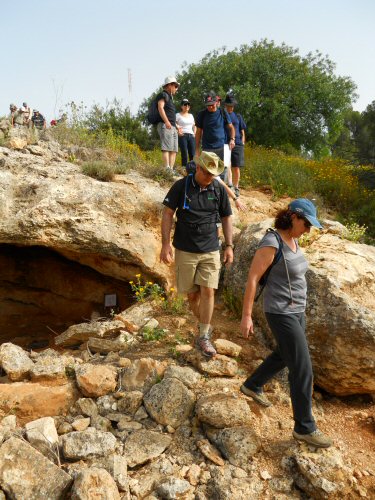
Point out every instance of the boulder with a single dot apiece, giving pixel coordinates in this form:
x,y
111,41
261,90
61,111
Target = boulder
x,y
227,347
48,368
96,380
142,446
117,466
223,410
237,444
142,374
77,334
24,470
94,483
15,361
87,444
170,402
136,316
340,307
130,402
185,374
33,400
218,366
42,435
173,488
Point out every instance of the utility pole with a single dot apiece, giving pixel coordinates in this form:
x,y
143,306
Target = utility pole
x,y
130,90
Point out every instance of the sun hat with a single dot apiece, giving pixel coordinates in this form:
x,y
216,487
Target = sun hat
x,y
210,98
211,162
306,209
170,79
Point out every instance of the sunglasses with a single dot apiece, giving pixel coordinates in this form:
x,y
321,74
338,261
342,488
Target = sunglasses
x,y
186,104
306,222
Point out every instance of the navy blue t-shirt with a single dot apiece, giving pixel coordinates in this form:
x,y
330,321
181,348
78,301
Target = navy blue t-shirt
x,y
213,125
198,212
238,124
169,107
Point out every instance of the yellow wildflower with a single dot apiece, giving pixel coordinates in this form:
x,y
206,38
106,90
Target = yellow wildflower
x,y
172,289
131,282
138,275
137,293
141,289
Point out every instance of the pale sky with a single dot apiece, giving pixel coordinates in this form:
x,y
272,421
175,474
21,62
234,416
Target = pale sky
x,y
57,51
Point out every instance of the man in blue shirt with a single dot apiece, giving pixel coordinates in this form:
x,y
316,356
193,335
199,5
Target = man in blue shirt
x,y
237,153
214,126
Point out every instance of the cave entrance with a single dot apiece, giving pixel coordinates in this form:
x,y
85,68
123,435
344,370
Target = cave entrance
x,y
42,292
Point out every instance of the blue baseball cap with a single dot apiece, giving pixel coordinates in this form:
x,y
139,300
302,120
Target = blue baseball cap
x,y
305,208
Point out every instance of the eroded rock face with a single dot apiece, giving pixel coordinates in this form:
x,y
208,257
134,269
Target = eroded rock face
x,y
340,307
111,228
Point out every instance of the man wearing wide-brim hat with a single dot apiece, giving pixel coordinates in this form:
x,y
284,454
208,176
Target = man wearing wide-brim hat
x,y
201,204
167,126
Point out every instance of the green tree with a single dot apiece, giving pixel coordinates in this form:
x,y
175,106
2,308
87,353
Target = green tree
x,y
288,101
366,136
346,144
120,120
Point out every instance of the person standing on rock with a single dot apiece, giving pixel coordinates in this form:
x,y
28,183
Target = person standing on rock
x,y
200,203
167,127
284,306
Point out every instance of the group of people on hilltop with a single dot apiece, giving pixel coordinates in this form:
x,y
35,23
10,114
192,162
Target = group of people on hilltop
x,y
26,117
199,203
215,129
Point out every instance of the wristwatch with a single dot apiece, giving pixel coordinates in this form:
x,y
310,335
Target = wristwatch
x,y
229,245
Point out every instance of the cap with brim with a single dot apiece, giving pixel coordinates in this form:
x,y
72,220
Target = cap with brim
x,y
210,162
230,101
185,101
306,209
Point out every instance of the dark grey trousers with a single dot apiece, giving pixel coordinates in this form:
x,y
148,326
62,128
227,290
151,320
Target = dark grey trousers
x,y
291,351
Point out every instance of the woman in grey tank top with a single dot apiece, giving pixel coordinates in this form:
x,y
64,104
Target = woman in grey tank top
x,y
284,306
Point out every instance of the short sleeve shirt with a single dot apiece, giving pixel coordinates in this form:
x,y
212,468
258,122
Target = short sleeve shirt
x,y
169,107
239,125
213,125
198,213
276,297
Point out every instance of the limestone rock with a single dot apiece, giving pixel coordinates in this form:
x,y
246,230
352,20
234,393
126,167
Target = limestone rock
x,y
86,406
15,361
173,488
340,307
237,444
223,410
170,402
136,316
145,445
210,452
23,473
218,366
76,334
48,368
34,400
227,347
17,143
223,486
94,483
81,424
117,466
142,374
322,474
96,380
185,374
42,435
130,402
87,444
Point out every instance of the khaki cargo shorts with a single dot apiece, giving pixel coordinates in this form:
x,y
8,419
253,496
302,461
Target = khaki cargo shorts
x,y
195,269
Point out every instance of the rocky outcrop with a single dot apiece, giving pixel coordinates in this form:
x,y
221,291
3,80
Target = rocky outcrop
x,y
340,307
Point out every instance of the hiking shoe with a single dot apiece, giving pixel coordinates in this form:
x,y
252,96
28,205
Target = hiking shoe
x,y
316,438
259,397
237,191
205,346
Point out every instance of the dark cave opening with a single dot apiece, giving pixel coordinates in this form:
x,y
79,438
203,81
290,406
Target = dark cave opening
x,y
42,293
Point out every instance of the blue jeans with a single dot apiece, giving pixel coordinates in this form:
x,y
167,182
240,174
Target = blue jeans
x,y
291,351
186,144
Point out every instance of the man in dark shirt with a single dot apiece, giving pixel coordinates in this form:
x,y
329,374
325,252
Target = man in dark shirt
x,y
214,128
200,203
167,127
38,120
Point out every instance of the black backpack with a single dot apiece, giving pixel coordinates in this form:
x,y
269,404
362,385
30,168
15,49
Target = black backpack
x,y
278,254
153,115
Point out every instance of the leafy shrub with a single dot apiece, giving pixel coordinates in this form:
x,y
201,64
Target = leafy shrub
x,y
100,170
151,334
